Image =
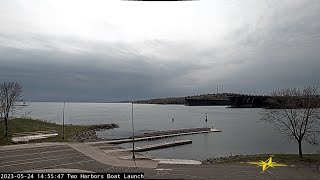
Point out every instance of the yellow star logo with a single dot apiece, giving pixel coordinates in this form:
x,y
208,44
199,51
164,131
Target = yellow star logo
x,y
266,164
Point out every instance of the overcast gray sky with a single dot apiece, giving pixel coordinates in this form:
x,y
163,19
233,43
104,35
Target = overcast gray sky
x,y
121,50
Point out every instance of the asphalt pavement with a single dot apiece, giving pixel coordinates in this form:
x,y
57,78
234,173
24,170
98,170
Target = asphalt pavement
x,y
79,157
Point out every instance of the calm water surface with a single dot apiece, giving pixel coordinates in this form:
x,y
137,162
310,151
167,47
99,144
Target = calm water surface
x,y
241,131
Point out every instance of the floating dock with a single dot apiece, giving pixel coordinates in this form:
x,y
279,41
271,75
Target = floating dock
x,y
162,145
176,131
159,135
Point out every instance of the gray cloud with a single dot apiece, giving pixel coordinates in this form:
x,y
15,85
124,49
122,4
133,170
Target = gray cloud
x,y
56,75
281,50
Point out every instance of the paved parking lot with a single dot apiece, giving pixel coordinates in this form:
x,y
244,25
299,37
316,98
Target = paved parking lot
x,y
41,158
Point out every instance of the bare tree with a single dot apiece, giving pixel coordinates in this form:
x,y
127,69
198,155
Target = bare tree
x,y
296,115
10,92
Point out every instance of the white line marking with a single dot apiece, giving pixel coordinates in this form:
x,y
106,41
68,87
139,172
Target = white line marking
x,y
160,169
177,161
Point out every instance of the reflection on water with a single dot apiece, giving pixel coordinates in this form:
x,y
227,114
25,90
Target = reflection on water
x,y
241,132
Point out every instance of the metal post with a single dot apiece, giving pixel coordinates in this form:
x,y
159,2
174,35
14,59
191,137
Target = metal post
x,y
206,119
64,104
133,155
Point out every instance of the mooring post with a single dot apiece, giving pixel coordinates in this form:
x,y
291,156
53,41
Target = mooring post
x,y
64,104
206,119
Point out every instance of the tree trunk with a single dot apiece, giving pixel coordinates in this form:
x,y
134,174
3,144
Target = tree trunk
x,y
300,149
6,120
6,124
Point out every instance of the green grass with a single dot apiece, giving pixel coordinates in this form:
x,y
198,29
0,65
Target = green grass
x,y
280,158
19,125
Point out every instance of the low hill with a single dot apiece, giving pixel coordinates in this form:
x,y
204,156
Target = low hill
x,y
181,100
170,100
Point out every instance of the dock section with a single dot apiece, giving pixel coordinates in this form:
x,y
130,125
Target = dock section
x,y
176,131
162,145
159,135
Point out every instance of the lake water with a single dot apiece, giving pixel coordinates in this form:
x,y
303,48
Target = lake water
x,y
241,131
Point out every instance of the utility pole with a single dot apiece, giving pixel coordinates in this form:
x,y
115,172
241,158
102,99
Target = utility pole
x,y
133,155
217,89
64,104
206,119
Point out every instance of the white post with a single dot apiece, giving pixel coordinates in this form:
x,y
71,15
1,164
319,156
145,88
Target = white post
x,y
64,104
133,155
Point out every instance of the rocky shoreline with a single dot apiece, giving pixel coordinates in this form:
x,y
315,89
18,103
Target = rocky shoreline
x,y
221,159
90,135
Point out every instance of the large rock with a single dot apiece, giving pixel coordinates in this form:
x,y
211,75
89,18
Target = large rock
x,y
90,135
